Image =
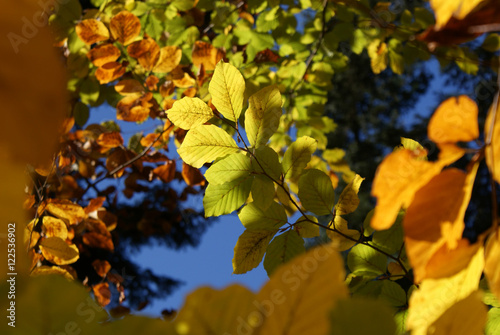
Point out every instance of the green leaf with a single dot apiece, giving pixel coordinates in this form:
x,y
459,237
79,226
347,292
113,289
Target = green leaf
x,y
377,318
364,258
263,115
493,323
400,319
316,192
282,249
491,43
154,23
390,240
250,249
229,168
227,88
349,200
255,218
306,228
188,113
263,191
266,160
225,198
183,5
297,156
204,144
89,91
81,113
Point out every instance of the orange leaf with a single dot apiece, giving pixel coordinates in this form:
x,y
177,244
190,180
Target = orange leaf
x,y
492,259
170,57
146,51
167,88
166,172
110,72
129,87
152,82
266,56
103,54
185,81
97,235
397,179
192,176
109,141
149,139
92,31
117,158
455,120
134,108
125,27
102,293
101,267
94,204
493,149
66,210
206,54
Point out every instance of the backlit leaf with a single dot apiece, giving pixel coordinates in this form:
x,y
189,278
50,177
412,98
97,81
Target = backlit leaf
x,y
492,257
297,156
306,228
110,72
92,31
348,200
102,293
263,115
446,9
343,238
53,227
101,267
390,240
206,54
228,169
250,249
364,258
204,144
227,88
266,160
66,210
378,53
283,248
129,87
263,191
146,51
125,27
254,218
103,53
170,57
316,192
166,172
435,296
56,251
225,198
493,149
192,176
188,113
293,288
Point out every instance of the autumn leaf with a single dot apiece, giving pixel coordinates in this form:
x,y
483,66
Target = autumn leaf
x,y
146,51
134,107
192,176
66,210
56,251
125,27
492,256
446,9
170,57
54,227
166,172
206,54
188,113
129,87
92,31
109,72
250,249
103,54
110,140
343,238
101,267
227,88
102,293
492,133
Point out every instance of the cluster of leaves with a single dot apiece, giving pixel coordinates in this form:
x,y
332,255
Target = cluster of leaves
x,y
175,64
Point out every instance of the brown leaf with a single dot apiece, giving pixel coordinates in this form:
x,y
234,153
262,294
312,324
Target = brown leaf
x,y
110,72
166,172
170,57
134,107
101,267
192,176
152,82
110,140
92,31
266,56
98,235
129,87
94,204
146,51
125,27
102,293
206,54
117,158
103,54
167,88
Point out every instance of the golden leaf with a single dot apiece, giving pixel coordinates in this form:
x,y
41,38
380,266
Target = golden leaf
x,y
166,172
54,227
110,72
103,54
170,57
125,27
492,258
206,54
109,141
492,153
56,251
192,176
92,31
102,293
66,210
146,51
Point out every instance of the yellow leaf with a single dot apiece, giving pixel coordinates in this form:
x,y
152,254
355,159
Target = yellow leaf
x,y
466,317
189,112
170,57
492,258
297,156
51,270
250,249
435,296
378,53
210,311
129,87
493,149
31,236
348,200
92,31
339,240
446,9
66,210
54,227
125,27
204,144
56,251
227,88
300,293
